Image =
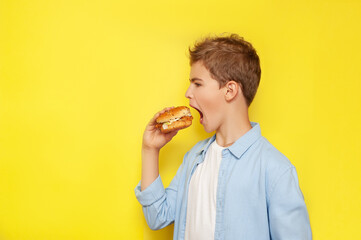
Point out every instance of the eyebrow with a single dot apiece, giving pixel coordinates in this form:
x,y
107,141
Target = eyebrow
x,y
195,79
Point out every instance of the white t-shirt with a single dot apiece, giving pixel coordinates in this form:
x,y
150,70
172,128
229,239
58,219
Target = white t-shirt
x,y
202,195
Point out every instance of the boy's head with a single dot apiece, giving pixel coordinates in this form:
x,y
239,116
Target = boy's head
x,y
229,58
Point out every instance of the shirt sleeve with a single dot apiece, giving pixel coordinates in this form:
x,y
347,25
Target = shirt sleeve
x,y
159,204
288,216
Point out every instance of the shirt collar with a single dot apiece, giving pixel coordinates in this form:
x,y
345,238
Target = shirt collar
x,y
205,147
241,145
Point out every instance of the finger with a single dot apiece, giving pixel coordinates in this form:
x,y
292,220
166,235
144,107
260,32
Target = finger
x,y
164,110
153,120
170,135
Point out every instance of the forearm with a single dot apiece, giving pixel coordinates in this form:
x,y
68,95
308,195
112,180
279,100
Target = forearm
x,y
150,166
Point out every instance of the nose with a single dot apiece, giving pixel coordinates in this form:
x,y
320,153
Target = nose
x,y
188,93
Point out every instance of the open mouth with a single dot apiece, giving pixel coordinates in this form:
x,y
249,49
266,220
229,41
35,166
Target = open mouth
x,y
200,113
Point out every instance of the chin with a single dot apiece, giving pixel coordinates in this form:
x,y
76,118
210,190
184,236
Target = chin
x,y
208,129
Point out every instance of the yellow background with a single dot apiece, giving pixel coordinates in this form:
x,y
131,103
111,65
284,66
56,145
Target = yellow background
x,y
79,80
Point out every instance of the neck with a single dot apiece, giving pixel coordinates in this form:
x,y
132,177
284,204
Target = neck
x,y
235,126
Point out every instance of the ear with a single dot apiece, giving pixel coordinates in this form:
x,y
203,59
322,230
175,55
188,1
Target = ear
x,y
232,89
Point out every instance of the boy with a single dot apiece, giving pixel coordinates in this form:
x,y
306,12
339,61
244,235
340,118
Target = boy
x,y
234,185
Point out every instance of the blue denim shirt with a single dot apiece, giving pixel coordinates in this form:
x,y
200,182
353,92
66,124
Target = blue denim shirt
x,y
258,195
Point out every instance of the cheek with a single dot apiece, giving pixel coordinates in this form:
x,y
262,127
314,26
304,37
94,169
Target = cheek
x,y
212,104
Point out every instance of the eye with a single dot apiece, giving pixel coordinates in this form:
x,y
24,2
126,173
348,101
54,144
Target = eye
x,y
197,84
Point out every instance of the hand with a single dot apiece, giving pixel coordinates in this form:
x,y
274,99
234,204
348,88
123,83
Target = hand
x,y
153,138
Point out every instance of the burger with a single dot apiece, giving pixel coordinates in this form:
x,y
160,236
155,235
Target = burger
x,y
174,119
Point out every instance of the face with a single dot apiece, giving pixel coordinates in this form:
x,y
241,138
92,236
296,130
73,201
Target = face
x,y
206,97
